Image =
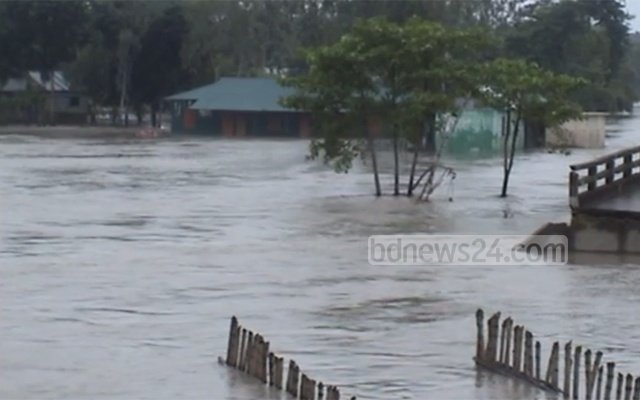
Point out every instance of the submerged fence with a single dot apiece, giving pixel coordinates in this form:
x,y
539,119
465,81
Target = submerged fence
x,y
512,351
249,352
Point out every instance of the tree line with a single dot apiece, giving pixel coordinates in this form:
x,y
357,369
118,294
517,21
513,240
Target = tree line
x,y
130,54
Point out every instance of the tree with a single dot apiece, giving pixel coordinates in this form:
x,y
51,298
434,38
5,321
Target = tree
x,y
523,91
401,74
48,34
587,39
439,68
157,69
341,99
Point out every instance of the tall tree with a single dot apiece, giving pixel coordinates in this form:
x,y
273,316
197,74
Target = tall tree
x,y
588,39
157,69
48,33
399,74
525,91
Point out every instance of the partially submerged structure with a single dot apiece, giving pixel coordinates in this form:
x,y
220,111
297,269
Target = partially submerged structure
x,y
37,98
604,195
587,132
237,107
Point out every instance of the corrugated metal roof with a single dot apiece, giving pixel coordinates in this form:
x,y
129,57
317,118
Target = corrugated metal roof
x,y
60,84
238,94
192,94
14,85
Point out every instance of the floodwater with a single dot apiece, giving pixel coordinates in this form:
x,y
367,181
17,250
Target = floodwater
x,y
122,261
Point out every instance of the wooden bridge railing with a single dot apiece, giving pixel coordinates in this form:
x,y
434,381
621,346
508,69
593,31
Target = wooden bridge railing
x,y
603,175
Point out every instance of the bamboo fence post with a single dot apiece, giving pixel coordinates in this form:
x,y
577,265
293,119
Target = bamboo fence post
x,y
249,356
537,360
507,351
259,358
552,367
271,364
608,386
264,359
304,387
311,389
295,381
335,393
619,386
587,373
277,374
528,354
576,372
636,389
290,372
599,383
566,393
517,347
594,374
628,387
332,393
232,348
479,341
503,333
243,349
492,345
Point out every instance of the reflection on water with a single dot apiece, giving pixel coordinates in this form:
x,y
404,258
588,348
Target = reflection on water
x,y
123,260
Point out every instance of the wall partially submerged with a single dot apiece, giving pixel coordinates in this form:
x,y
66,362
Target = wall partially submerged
x,y
587,132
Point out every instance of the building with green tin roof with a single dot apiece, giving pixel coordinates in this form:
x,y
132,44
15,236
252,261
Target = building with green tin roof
x,y
237,107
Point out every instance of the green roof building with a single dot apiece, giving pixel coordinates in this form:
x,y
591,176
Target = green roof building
x,y
237,107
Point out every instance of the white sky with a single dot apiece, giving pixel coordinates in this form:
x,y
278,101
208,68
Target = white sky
x,y
633,8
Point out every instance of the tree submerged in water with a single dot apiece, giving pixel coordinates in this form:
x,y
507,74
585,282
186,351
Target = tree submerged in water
x,y
414,80
392,82
526,92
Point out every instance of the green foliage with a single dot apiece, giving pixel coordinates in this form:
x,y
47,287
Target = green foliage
x,y
40,35
157,70
526,92
587,39
103,44
529,91
401,74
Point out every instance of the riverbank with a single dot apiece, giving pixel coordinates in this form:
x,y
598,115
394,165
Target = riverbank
x,y
68,131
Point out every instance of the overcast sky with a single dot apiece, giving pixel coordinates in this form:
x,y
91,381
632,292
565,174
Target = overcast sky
x,y
633,7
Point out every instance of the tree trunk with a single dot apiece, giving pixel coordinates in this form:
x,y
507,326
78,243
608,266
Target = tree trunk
x,y
139,115
430,142
374,160
413,171
414,162
52,99
92,115
154,111
510,151
123,97
396,163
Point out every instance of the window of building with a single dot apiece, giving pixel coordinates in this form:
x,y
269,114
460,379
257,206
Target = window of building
x,y
74,101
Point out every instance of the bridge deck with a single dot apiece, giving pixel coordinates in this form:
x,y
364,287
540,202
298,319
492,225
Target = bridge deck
x,y
608,185
621,202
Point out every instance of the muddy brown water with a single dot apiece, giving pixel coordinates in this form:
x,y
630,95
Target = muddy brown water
x,y
121,262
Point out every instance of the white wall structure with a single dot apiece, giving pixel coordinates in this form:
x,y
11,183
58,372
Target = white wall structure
x,y
587,132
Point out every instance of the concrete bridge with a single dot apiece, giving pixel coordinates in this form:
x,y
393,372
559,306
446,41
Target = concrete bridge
x,y
604,195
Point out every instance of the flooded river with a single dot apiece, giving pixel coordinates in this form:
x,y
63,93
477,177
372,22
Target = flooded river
x,y
122,261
